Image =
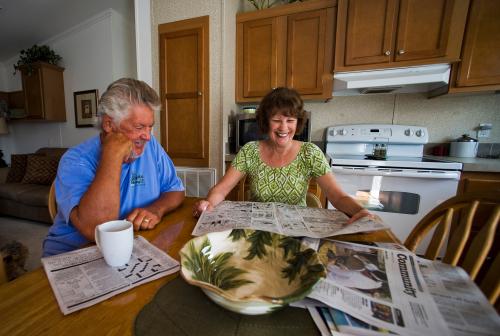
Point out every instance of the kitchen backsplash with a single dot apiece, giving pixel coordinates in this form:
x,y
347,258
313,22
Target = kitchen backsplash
x,y
446,117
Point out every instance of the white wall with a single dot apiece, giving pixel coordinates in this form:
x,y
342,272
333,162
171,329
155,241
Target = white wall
x,y
95,53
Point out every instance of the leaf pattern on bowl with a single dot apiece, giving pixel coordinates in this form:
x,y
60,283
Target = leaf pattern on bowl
x,y
290,246
245,269
258,241
237,234
213,270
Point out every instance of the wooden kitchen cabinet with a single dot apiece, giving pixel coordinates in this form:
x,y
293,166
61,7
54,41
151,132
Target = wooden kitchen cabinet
x,y
479,69
290,45
373,34
479,182
44,92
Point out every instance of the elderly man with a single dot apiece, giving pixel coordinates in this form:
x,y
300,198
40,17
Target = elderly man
x,y
121,173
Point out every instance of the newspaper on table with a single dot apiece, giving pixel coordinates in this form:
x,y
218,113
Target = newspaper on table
x,y
460,301
285,219
333,322
81,278
382,287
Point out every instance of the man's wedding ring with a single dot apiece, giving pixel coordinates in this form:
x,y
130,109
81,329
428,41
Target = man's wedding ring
x,y
146,220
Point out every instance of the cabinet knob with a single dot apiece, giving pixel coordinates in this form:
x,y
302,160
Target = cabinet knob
x,y
199,93
387,52
401,52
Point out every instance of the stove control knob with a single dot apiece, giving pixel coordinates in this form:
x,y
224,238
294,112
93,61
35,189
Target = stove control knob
x,y
331,133
419,133
342,131
408,132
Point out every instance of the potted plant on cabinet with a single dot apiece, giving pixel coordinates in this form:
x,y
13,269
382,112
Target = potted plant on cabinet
x,y
43,83
262,4
36,54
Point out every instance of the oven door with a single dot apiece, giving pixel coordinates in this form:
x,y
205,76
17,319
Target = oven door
x,y
401,197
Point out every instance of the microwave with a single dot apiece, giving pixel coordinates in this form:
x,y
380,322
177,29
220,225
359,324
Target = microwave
x,y
247,130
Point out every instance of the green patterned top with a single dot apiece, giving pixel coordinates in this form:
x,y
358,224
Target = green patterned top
x,y
286,184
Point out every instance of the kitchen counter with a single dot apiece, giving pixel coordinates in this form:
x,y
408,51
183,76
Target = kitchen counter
x,y
473,164
469,164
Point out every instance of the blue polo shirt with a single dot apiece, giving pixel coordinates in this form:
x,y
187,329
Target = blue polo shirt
x,y
142,182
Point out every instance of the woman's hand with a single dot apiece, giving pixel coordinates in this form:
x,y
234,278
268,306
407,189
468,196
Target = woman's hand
x,y
201,206
360,214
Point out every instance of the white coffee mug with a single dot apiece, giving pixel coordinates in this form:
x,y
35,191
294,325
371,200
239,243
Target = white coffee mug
x,y
115,239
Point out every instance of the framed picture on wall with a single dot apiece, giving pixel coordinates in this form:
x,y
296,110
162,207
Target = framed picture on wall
x,y
86,108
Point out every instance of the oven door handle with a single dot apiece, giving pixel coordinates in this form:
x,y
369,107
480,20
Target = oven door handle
x,y
411,173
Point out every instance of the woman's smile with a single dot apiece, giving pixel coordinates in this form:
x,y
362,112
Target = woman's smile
x,y
282,128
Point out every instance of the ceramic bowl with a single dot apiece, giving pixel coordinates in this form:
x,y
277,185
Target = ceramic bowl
x,y
250,272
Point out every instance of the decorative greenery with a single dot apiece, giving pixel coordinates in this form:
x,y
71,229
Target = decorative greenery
x,y
262,4
213,269
36,54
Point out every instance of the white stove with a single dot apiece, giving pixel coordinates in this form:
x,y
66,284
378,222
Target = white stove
x,y
383,167
354,144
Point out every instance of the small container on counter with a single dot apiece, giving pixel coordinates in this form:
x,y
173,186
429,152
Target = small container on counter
x,y
440,150
465,146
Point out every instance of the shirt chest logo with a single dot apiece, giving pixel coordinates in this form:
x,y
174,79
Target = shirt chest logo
x,y
136,180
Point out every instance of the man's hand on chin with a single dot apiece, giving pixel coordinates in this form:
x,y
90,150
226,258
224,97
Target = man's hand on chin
x,y
116,144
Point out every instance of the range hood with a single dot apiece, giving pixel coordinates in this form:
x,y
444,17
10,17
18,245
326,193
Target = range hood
x,y
398,80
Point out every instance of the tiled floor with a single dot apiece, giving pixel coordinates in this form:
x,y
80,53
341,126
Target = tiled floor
x,y
28,233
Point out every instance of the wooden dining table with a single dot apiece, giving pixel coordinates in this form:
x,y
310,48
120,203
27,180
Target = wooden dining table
x,y
28,305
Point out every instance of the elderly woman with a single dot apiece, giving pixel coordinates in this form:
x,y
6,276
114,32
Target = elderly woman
x,y
280,167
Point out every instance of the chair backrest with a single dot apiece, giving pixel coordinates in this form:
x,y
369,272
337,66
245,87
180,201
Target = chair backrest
x,y
3,271
453,222
312,199
52,201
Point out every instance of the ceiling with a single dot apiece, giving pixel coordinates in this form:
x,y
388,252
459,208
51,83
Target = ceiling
x,y
24,23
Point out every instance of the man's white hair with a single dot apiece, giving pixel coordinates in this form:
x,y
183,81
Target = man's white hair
x,y
121,95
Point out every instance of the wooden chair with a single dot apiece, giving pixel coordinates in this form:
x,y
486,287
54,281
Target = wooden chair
x,y
52,201
453,220
312,199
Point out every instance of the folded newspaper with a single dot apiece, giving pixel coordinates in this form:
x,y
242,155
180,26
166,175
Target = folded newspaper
x,y
290,220
464,307
382,287
81,278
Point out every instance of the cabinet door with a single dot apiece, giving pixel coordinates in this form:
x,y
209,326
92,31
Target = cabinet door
x,y
44,92
307,61
481,50
32,87
52,83
184,91
261,56
365,32
423,29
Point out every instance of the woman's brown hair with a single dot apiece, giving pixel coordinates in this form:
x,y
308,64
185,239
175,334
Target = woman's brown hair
x,y
280,100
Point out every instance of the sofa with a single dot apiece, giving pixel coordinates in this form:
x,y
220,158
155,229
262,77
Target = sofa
x,y
24,193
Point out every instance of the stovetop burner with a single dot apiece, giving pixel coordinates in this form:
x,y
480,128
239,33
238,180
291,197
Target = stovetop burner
x,y
375,157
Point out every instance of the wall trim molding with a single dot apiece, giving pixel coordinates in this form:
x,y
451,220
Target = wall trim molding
x,y
81,26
